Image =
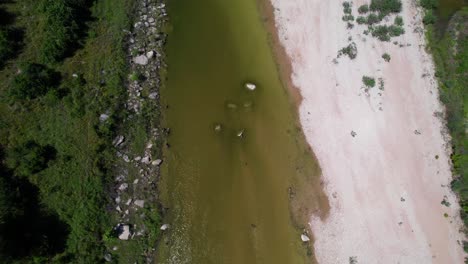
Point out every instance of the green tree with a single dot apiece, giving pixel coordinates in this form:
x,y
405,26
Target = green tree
x,y
33,81
30,158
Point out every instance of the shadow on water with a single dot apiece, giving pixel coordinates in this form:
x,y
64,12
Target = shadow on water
x,y
444,12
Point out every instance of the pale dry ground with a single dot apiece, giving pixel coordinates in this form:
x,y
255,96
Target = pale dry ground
x,y
385,184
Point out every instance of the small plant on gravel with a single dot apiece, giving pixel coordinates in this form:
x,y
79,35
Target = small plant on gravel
x,y
350,51
381,84
347,18
369,82
381,33
386,57
363,9
398,21
395,31
429,17
361,20
373,19
347,7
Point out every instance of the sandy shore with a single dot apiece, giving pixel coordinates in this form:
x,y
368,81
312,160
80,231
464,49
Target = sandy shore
x,y
387,182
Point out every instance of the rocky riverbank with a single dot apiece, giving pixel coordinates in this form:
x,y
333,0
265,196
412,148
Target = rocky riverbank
x,y
134,194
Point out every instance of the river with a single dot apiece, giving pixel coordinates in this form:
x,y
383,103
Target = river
x,y
236,161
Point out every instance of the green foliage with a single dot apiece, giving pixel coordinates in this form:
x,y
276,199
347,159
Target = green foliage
x,y
363,9
429,4
6,45
350,51
386,6
398,21
369,82
361,20
30,158
373,19
381,32
33,81
429,17
347,8
347,18
386,57
395,31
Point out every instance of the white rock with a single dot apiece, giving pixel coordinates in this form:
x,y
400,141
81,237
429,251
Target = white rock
x,y
123,187
151,20
129,202
240,133
305,238
75,75
126,158
157,162
153,95
118,140
136,181
141,60
125,232
103,117
117,200
150,145
250,86
139,203
165,227
115,248
146,160
118,209
150,54
137,158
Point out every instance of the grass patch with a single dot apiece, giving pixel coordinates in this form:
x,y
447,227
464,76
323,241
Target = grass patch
x,y
369,82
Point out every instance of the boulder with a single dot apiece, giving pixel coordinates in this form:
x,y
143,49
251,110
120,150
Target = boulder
x,y
139,203
150,54
141,60
124,232
165,227
250,86
157,162
145,160
305,238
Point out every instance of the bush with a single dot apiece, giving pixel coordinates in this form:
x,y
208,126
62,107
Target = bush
x,y
386,6
395,31
381,33
363,9
6,45
398,21
386,57
30,158
369,82
350,51
373,19
33,81
429,4
361,20
429,18
348,18
347,8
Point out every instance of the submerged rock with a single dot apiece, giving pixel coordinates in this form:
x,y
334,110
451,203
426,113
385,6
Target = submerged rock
x,y
240,133
250,86
217,127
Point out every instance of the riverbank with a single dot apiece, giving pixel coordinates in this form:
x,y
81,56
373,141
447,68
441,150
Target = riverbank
x,y
384,153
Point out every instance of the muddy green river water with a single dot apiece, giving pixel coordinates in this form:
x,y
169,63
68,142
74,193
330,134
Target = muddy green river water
x,y
228,195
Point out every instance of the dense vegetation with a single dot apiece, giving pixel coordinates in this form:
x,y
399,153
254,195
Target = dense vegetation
x,y
450,53
63,65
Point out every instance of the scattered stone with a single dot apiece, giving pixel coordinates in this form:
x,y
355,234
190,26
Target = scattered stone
x,y
75,75
138,158
129,201
165,227
123,187
141,60
117,200
103,117
118,140
108,257
153,95
115,248
157,162
139,203
250,86
124,232
146,160
305,238
136,181
118,209
126,158
150,54
150,145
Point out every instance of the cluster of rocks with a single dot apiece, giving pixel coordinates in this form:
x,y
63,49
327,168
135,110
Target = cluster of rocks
x,y
145,49
135,193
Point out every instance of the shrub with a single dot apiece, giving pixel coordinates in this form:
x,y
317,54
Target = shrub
x,y
363,9
33,81
381,33
361,20
347,7
350,51
30,158
386,57
386,6
373,19
369,82
348,18
398,21
429,18
395,31
6,45
429,4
